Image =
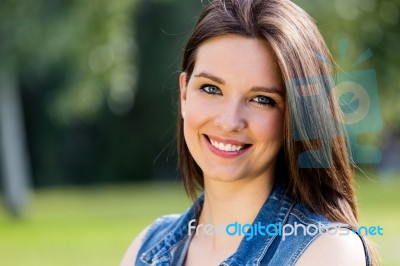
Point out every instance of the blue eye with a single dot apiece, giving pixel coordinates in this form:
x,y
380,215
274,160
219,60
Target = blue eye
x,y
210,89
264,100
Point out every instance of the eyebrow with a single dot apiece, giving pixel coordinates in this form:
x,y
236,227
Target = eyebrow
x,y
255,88
267,90
211,77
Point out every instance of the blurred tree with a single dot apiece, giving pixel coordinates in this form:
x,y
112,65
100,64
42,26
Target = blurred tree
x,y
93,42
14,158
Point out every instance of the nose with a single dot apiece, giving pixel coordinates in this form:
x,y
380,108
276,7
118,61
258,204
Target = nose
x,y
231,117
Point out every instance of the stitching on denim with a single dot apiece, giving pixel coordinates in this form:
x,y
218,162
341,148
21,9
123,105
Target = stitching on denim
x,y
264,250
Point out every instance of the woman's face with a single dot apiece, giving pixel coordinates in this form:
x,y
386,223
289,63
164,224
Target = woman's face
x,y
233,108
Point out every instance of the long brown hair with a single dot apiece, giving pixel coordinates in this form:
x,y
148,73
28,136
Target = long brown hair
x,y
311,112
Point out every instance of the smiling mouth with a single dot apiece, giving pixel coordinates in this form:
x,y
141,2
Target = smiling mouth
x,y
227,147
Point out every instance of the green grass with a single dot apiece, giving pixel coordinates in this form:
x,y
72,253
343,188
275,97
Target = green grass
x,y
379,204
74,226
94,226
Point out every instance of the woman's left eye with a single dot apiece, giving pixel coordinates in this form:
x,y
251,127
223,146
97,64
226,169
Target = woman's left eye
x,y
264,100
210,89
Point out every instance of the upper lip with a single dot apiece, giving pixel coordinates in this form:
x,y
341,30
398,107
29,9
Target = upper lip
x,y
226,140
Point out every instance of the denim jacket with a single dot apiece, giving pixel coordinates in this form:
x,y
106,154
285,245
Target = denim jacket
x,y
167,240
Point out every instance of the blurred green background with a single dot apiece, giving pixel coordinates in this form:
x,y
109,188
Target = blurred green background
x,y
88,95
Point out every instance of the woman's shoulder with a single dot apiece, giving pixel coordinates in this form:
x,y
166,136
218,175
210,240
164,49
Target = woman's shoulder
x,y
334,244
160,226
316,240
344,247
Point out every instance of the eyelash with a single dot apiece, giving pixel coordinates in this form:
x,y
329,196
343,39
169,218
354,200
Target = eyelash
x,y
269,101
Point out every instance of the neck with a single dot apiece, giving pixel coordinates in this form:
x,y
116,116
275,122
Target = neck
x,y
229,202
226,203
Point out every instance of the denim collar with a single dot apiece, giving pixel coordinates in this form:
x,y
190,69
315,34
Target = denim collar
x,y
275,210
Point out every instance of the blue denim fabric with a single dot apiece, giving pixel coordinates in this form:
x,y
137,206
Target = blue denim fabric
x,y
167,240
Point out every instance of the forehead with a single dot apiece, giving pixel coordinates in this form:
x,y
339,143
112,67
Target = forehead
x,y
239,59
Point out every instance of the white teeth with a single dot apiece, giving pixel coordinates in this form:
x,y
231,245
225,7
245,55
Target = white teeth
x,y
225,147
221,146
228,147
236,148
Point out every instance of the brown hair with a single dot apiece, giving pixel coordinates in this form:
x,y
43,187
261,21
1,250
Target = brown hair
x,y
298,47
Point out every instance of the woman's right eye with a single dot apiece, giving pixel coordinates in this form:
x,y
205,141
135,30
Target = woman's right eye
x,y
210,89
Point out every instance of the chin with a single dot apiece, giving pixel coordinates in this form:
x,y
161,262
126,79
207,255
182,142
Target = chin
x,y
225,176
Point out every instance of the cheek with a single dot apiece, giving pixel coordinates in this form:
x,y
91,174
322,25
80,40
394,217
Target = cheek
x,y
198,110
270,126
196,115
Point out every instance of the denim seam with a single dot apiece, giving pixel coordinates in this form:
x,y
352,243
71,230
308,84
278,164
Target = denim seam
x,y
264,250
158,247
304,219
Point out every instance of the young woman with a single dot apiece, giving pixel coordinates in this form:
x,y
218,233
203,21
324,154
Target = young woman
x,y
254,97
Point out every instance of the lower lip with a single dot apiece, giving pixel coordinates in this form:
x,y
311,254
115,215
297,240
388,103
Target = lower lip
x,y
224,154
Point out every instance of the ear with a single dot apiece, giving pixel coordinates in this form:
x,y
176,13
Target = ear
x,y
183,89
